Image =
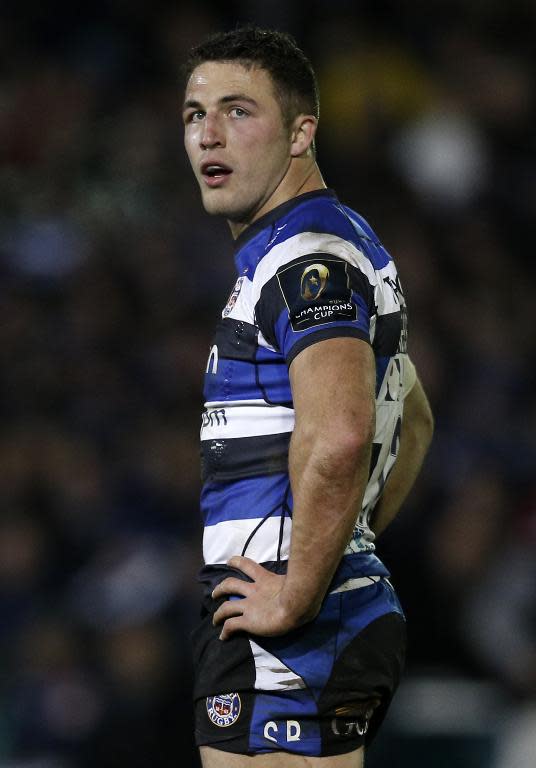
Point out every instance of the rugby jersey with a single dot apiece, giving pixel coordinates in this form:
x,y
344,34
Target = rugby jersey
x,y
310,269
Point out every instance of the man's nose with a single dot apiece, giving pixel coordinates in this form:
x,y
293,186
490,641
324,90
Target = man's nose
x,y
212,134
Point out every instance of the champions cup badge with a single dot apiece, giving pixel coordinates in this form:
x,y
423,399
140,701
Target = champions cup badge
x,y
313,281
224,709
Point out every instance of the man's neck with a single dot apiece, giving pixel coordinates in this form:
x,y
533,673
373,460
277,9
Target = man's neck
x,y
292,185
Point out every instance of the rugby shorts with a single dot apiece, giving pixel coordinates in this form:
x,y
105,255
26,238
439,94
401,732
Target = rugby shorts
x,y
322,689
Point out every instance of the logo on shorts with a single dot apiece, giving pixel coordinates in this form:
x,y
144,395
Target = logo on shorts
x,y
353,720
345,728
224,709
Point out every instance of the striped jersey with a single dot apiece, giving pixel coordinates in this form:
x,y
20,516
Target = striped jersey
x,y
310,269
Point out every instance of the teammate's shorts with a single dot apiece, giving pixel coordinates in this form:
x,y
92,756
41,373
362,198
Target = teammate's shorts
x,y
322,689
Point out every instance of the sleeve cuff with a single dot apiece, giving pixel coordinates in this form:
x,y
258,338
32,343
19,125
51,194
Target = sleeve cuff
x,y
331,333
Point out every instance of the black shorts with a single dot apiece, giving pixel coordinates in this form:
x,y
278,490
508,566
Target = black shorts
x,y
322,689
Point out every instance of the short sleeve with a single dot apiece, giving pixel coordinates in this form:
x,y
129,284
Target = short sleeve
x,y
312,298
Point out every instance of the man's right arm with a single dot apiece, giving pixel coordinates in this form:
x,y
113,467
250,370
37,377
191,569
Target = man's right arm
x,y
416,436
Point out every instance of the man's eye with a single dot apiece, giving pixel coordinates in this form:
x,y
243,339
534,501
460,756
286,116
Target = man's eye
x,y
193,117
238,112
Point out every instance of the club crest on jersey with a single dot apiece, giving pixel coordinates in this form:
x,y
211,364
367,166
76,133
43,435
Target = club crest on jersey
x,y
313,281
224,709
235,293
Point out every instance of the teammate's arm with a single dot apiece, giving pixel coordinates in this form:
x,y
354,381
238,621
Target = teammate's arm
x,y
415,438
333,392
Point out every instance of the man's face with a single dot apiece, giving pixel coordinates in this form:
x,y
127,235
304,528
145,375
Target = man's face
x,y
235,138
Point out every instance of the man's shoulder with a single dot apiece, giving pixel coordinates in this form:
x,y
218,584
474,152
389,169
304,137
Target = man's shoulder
x,y
314,213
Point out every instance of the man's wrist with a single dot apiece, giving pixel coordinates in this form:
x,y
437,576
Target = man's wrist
x,y
298,607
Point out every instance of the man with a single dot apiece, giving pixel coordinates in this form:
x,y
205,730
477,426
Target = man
x,y
310,398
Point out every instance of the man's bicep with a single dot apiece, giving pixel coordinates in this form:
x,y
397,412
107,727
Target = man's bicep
x,y
310,298
333,386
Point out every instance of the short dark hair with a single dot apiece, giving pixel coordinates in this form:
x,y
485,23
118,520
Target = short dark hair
x,y
277,52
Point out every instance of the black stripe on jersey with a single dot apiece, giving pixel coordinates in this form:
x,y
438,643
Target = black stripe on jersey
x,y
236,340
211,575
360,284
387,337
240,457
335,332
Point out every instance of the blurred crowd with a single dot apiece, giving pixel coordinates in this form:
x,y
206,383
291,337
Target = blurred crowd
x,y
112,279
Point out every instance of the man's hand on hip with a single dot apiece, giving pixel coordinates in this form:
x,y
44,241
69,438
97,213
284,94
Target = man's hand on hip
x,y
261,609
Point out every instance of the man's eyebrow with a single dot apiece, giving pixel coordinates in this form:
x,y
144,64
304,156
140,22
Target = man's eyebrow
x,y
238,97
193,104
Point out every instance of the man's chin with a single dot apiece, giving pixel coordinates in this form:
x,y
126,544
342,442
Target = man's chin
x,y
216,205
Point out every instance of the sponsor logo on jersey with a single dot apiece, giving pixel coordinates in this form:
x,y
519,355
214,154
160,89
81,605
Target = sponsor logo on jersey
x,y
317,292
313,281
235,293
216,417
224,709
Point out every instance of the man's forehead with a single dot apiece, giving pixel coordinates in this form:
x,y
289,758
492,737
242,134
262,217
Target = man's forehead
x,y
227,75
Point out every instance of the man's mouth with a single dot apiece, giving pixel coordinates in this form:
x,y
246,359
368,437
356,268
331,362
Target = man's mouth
x,y
215,171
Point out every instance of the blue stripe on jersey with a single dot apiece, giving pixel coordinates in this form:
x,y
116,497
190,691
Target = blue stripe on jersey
x,y
258,497
323,214
318,216
274,386
234,380
368,240
247,258
264,233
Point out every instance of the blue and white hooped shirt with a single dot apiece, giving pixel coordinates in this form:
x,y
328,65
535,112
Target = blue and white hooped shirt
x,y
310,269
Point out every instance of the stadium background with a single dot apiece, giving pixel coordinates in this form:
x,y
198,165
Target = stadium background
x,y
111,280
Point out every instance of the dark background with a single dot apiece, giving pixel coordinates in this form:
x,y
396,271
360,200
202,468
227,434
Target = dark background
x,y
111,280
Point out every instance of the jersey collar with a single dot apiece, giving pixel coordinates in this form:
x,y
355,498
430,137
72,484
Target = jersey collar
x,y
277,213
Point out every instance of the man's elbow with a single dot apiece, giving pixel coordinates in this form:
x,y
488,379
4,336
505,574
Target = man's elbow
x,y
345,448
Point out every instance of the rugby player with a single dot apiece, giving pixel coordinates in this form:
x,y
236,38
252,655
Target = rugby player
x,y
314,429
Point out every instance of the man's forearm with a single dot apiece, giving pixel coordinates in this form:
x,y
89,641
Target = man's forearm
x,y
328,481
417,430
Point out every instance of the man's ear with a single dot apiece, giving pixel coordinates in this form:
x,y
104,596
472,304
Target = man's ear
x,y
303,134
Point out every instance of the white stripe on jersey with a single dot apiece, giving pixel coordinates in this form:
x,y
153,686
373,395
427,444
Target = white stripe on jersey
x,y
223,540
304,244
244,418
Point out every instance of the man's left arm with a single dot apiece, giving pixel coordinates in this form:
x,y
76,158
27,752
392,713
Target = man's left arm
x,y
333,392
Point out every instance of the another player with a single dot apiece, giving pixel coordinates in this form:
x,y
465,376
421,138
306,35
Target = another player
x,y
314,430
